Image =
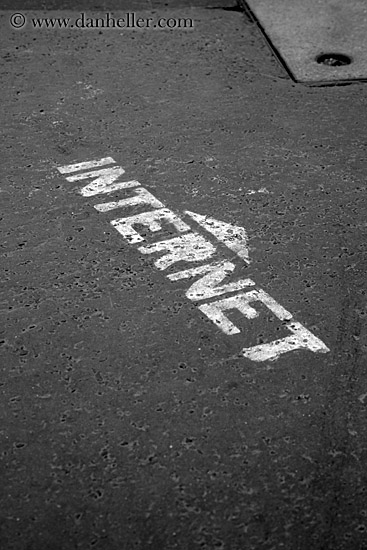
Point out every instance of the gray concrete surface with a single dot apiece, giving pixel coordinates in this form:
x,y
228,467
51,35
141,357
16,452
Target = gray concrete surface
x,y
302,30
129,420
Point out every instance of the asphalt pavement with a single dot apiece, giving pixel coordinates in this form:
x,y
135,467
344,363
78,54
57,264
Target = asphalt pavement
x,y
183,311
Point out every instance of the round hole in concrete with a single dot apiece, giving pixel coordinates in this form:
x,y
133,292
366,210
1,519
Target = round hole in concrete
x,y
334,59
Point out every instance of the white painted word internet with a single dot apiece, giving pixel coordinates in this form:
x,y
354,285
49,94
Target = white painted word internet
x,y
190,247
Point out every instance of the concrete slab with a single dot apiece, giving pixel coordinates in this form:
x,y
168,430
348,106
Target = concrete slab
x,y
301,31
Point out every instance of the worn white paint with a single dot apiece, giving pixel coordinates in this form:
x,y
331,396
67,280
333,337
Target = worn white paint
x,y
241,302
142,196
301,338
191,247
104,182
233,236
152,220
192,272
207,286
253,191
215,310
69,168
270,303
